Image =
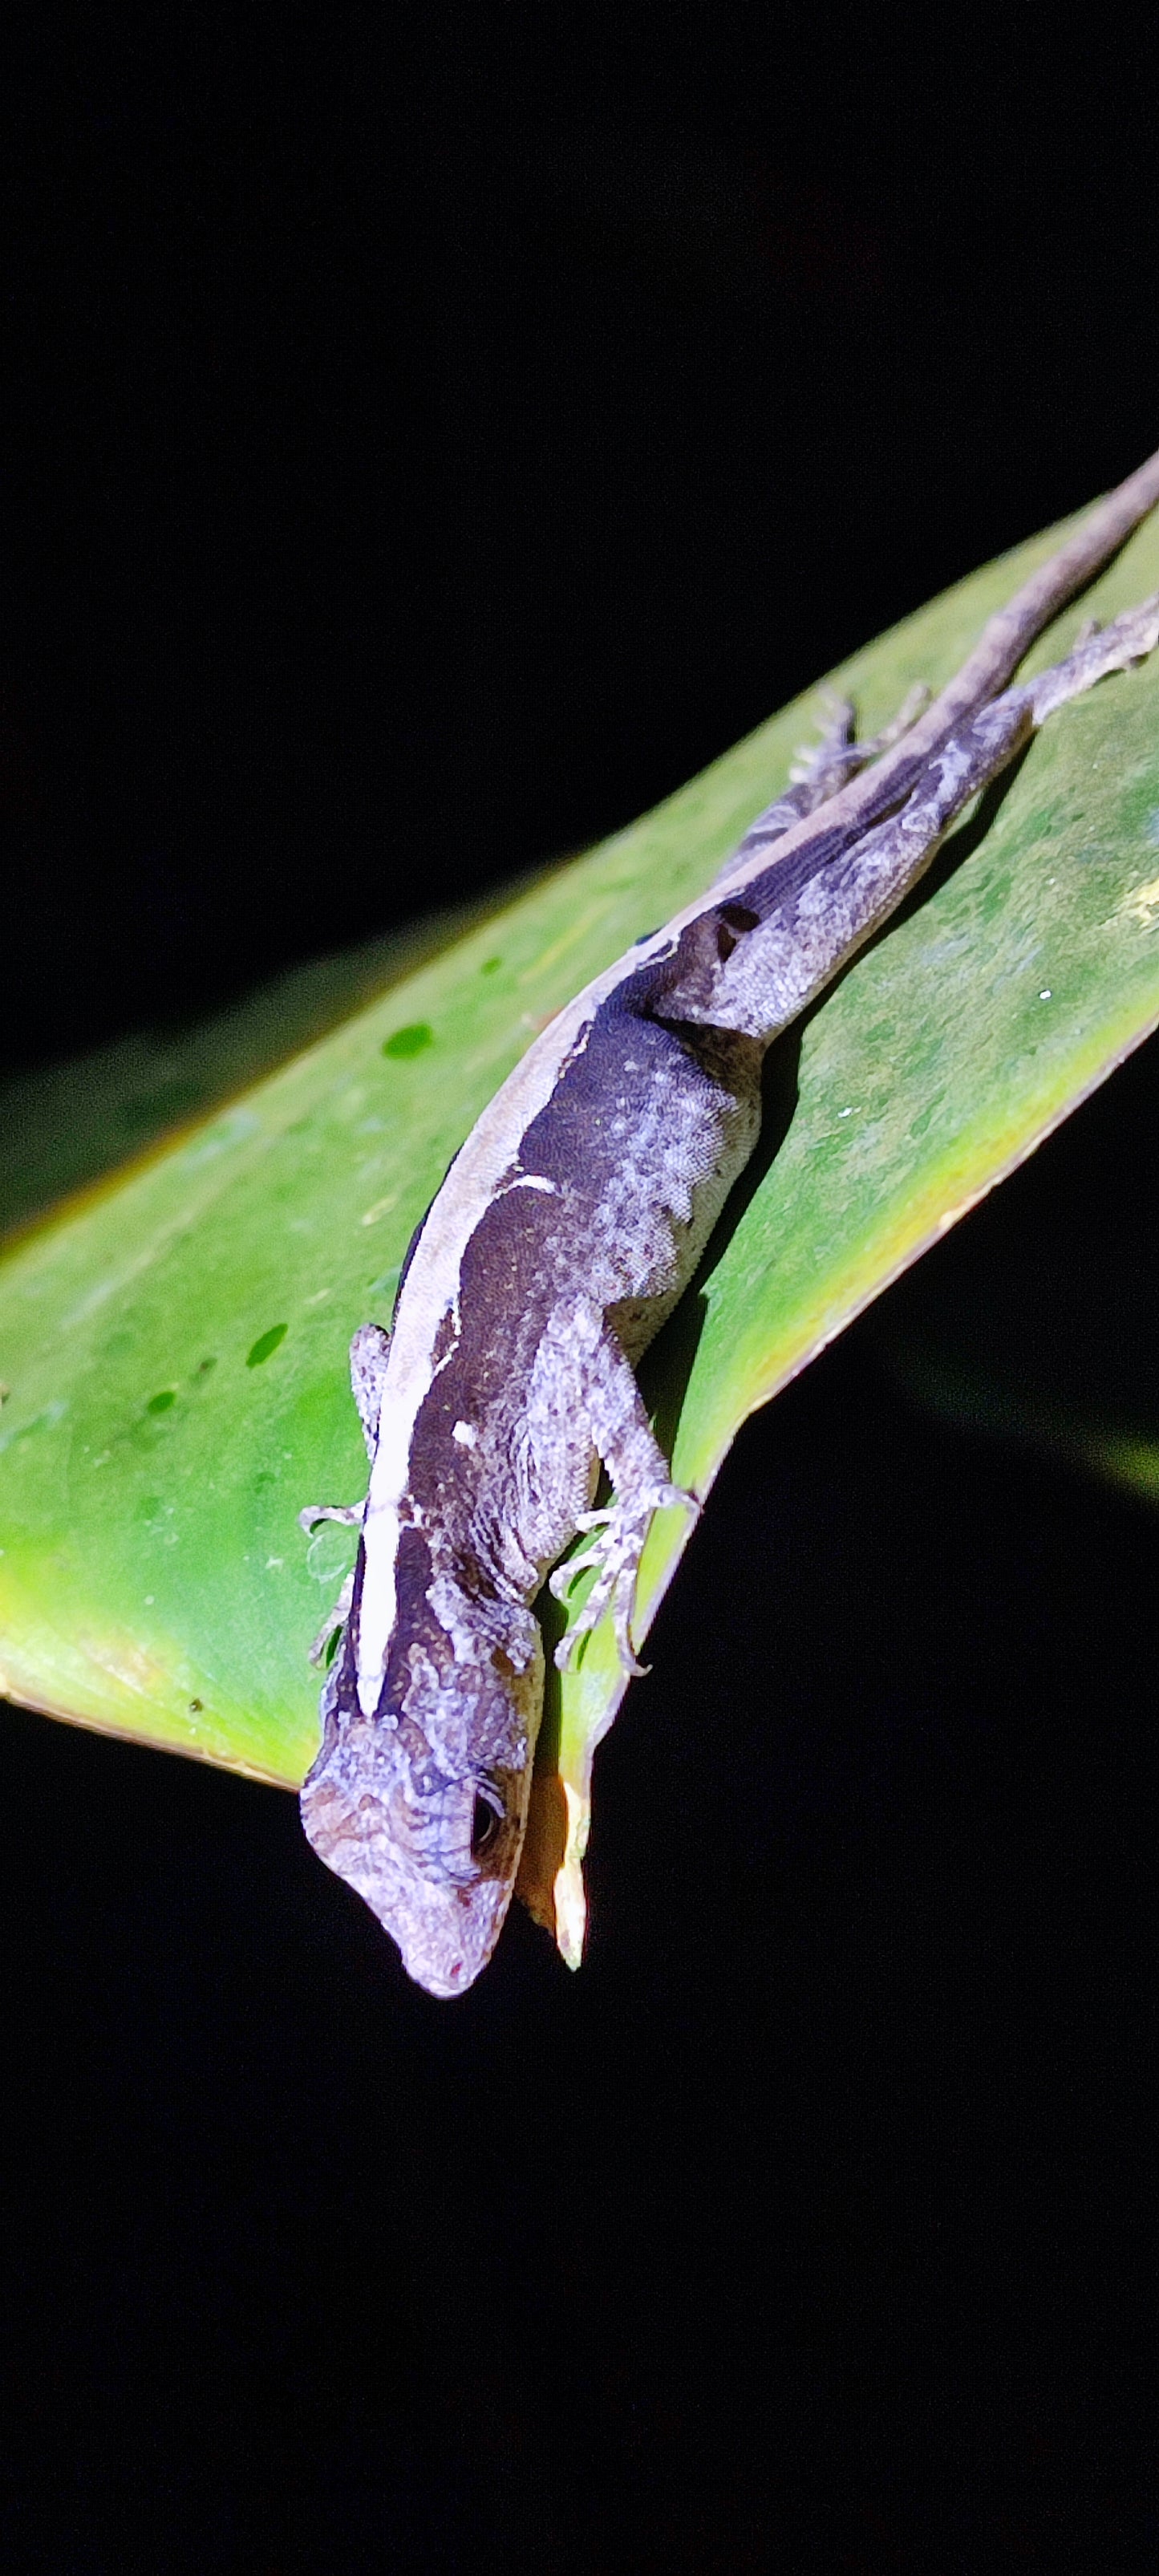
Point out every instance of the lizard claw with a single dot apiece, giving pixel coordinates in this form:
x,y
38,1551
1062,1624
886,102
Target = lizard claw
x,y
351,1515
337,1619
615,1553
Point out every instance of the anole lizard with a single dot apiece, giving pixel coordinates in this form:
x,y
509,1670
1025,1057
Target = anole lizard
x,y
565,1231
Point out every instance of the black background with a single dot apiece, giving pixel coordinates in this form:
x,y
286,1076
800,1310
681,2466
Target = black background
x,y
432,443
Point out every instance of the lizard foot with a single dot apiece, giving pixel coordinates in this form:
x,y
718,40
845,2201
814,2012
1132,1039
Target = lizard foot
x,y
618,1536
351,1516
823,767
336,1619
1098,650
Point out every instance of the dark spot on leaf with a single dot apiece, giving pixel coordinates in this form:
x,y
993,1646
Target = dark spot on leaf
x,y
266,1344
148,1508
490,966
203,1368
161,1403
195,1708
409,1041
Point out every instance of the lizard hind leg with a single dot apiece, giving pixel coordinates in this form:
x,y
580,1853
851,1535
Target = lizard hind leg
x,y
821,769
824,766
1097,651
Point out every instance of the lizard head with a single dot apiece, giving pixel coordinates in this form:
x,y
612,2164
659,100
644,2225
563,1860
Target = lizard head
x,y
421,1801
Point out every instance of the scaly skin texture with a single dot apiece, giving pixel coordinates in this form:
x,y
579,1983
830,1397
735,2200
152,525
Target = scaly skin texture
x,y
567,1228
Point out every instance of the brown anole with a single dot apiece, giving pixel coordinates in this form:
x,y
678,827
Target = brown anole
x,y
567,1227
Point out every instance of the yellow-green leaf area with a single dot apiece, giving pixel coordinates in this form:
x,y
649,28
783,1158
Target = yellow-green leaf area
x,y
153,1578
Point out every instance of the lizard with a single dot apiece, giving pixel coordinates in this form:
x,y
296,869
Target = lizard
x,y
568,1226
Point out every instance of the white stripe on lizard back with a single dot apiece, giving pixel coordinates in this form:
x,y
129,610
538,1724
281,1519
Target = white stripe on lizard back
x,y
430,1292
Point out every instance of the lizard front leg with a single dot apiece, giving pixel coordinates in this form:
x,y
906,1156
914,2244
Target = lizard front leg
x,y
368,1357
624,1439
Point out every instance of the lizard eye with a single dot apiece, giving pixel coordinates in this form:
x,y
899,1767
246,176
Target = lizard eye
x,y
733,919
486,1818
484,1826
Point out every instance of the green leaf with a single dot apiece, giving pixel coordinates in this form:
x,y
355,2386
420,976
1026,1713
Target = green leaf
x,y
153,1579
64,1128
